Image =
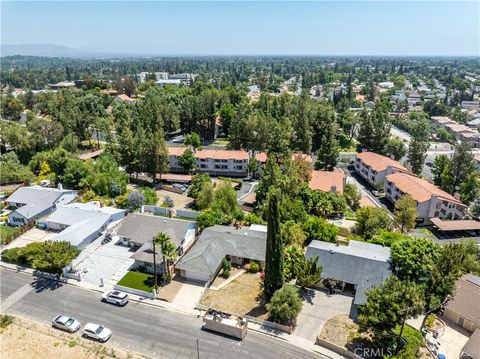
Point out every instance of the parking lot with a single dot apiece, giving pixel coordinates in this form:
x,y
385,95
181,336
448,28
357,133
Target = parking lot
x,y
103,263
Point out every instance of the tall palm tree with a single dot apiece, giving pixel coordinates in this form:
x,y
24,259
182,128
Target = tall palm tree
x,y
168,249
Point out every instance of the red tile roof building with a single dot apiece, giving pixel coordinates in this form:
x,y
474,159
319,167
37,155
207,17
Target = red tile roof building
x,y
374,167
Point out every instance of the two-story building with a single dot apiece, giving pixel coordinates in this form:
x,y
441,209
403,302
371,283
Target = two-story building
x,y
214,162
374,167
432,202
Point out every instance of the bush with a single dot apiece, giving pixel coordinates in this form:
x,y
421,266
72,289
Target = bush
x,y
226,268
430,320
167,202
285,305
135,200
5,320
49,256
254,267
150,195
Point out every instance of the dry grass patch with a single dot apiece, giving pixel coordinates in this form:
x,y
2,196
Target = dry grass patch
x,y
339,330
241,296
27,339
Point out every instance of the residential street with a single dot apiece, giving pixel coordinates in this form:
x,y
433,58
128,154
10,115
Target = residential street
x,y
138,327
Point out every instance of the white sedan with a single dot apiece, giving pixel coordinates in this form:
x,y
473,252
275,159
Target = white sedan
x,y
65,323
97,332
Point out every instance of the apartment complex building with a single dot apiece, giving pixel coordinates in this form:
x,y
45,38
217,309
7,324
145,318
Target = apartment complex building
x,y
459,131
431,200
374,167
214,162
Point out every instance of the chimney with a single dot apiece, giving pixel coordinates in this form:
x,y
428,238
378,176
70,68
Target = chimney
x,y
60,186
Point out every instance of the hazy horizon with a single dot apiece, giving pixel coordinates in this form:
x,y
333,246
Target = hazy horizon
x,y
229,28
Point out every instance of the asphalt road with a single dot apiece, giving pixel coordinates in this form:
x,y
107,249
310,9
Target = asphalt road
x,y
138,327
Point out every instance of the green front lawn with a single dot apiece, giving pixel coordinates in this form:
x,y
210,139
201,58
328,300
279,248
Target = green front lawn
x,y
7,232
138,280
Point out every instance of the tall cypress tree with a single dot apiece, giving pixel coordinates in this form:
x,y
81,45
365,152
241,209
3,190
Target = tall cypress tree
x,y
274,253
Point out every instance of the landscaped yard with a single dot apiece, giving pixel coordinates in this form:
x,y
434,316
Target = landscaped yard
x,y
242,296
138,280
6,232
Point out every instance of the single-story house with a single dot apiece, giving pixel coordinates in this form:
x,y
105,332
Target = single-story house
x,y
81,223
30,203
238,245
358,265
138,231
471,349
464,308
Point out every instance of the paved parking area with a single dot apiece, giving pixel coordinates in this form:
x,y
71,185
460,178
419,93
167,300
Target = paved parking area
x,y
31,236
105,263
318,307
188,294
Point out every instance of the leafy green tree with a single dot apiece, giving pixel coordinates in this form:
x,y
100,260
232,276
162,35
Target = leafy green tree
x,y
293,233
470,189
389,303
440,169
309,273
156,155
419,144
187,160
462,165
192,139
406,213
274,252
227,114
371,220
414,258
352,196
12,171
318,229
292,259
150,195
285,304
252,166
396,148
209,218
325,142
169,252
75,172
225,200
135,200
196,186
49,256
205,197
70,142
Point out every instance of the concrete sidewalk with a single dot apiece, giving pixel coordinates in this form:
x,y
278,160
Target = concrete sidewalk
x,y
291,338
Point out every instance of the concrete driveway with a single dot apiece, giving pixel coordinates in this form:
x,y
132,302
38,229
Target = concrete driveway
x,y
452,340
189,294
31,236
106,263
318,307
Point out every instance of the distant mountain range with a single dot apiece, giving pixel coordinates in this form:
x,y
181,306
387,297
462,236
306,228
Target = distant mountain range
x,y
47,50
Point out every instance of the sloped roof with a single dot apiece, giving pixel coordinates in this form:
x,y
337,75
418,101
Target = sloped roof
x,y
359,263
378,162
218,241
467,298
141,228
420,189
82,219
325,180
472,346
36,199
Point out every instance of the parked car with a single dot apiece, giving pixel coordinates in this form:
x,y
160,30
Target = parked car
x,y
179,186
115,297
97,332
377,193
429,164
66,323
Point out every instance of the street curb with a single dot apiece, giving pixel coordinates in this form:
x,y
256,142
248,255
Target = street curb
x,y
30,271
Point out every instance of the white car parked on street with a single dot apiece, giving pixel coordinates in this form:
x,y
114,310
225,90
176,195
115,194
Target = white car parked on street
x,y
96,331
66,323
115,297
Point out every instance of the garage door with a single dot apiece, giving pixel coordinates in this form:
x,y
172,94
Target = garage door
x,y
200,277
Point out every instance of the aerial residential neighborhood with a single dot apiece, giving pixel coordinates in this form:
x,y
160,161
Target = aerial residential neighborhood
x,y
240,180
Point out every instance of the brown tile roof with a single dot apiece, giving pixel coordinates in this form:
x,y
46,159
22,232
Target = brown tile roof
x,y
420,189
466,301
325,180
456,127
176,177
477,157
176,151
378,162
127,98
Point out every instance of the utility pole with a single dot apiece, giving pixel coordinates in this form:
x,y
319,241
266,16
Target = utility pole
x,y
154,264
198,351
401,331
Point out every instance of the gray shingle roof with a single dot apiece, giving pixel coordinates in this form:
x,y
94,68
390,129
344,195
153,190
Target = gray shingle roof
x,y
218,241
359,263
35,199
141,228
